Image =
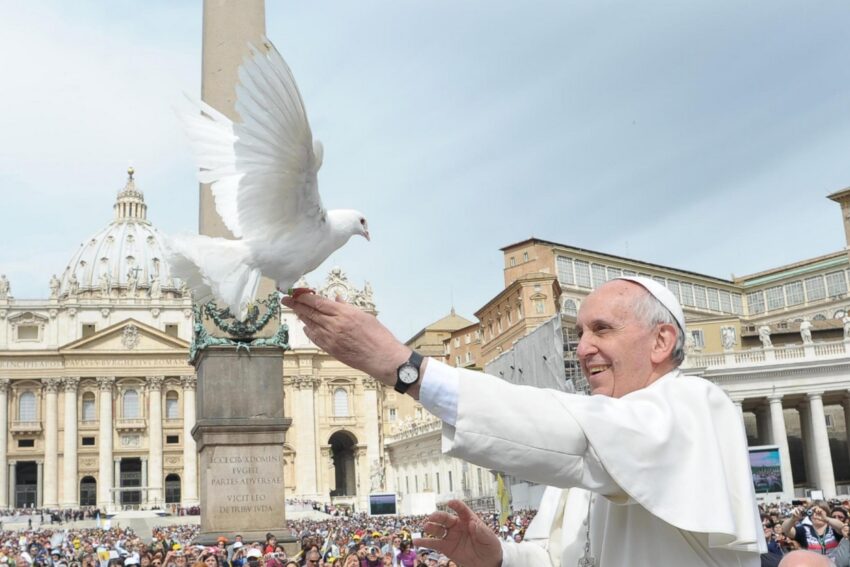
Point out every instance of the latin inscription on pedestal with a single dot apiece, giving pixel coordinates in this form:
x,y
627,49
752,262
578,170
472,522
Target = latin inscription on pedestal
x,y
243,486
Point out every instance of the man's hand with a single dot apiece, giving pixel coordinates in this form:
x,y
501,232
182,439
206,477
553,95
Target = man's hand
x,y
463,537
350,335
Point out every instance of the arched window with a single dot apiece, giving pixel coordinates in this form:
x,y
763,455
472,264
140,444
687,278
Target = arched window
x,y
172,489
340,402
88,407
26,407
570,307
130,408
172,410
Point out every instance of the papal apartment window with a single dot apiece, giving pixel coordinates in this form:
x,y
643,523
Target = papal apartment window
x,y
393,414
815,289
513,261
525,256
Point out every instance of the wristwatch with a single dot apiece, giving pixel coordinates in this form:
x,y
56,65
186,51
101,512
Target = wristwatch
x,y
408,373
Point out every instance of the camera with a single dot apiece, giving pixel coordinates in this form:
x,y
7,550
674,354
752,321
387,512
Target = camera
x,y
810,512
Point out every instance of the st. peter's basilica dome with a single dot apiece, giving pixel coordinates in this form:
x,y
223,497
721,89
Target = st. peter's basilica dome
x,y
125,259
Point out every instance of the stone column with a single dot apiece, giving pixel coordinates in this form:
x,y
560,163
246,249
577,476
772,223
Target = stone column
x,y
361,476
70,491
145,492
12,470
739,405
190,451
104,474
370,430
116,479
307,472
154,494
51,442
4,445
826,476
780,438
39,488
763,422
327,482
808,443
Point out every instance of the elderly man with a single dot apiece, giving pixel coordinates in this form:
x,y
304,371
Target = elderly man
x,y
658,460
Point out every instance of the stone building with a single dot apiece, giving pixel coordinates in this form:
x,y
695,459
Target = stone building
x,y
97,401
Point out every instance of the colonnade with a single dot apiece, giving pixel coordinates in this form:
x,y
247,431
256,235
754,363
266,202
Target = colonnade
x,y
108,475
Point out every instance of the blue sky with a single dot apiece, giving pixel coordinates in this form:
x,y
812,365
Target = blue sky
x,y
700,135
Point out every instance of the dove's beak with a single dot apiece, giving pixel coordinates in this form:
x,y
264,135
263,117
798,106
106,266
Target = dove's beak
x,y
366,235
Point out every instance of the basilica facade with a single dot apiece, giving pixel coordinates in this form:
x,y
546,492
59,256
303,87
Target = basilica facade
x,y
97,399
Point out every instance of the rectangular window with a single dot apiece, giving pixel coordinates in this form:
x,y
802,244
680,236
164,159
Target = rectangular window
x,y
599,277
87,441
737,304
513,262
88,329
457,342
457,360
565,270
26,443
582,274
775,298
525,256
172,439
660,280
794,293
725,302
687,294
815,289
629,273
88,407
451,484
171,330
673,286
437,481
755,301
393,414
700,297
28,332
614,273
713,299
836,285
468,356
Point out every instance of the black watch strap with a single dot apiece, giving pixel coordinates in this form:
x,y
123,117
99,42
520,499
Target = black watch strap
x,y
415,360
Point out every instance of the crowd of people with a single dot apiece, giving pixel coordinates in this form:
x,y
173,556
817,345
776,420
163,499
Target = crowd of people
x,y
821,527
341,540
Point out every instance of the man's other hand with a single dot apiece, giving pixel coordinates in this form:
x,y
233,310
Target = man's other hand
x,y
463,537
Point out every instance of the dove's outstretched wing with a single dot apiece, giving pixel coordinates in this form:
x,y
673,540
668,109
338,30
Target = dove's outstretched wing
x,y
263,168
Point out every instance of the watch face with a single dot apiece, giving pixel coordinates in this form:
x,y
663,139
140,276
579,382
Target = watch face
x,y
408,373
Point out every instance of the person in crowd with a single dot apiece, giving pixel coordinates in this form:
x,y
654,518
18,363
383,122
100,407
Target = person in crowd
x,y
814,529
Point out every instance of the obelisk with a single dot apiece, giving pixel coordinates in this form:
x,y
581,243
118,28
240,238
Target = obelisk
x,y
240,426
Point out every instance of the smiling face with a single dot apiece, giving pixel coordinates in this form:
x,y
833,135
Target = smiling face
x,y
619,352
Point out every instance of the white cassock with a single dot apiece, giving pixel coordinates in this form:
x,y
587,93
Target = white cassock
x,y
665,468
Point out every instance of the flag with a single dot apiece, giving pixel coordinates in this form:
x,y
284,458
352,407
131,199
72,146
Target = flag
x,y
504,497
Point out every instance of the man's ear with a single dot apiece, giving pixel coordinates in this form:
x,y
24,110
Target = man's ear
x,y
665,342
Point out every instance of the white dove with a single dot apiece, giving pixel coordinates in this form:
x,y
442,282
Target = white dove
x,y
263,175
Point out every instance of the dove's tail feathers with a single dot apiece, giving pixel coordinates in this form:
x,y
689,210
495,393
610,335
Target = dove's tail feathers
x,y
212,139
215,268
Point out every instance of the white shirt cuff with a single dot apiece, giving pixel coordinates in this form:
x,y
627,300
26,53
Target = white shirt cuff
x,y
438,392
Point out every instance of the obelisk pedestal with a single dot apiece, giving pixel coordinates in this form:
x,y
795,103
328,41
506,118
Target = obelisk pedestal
x,y
240,431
